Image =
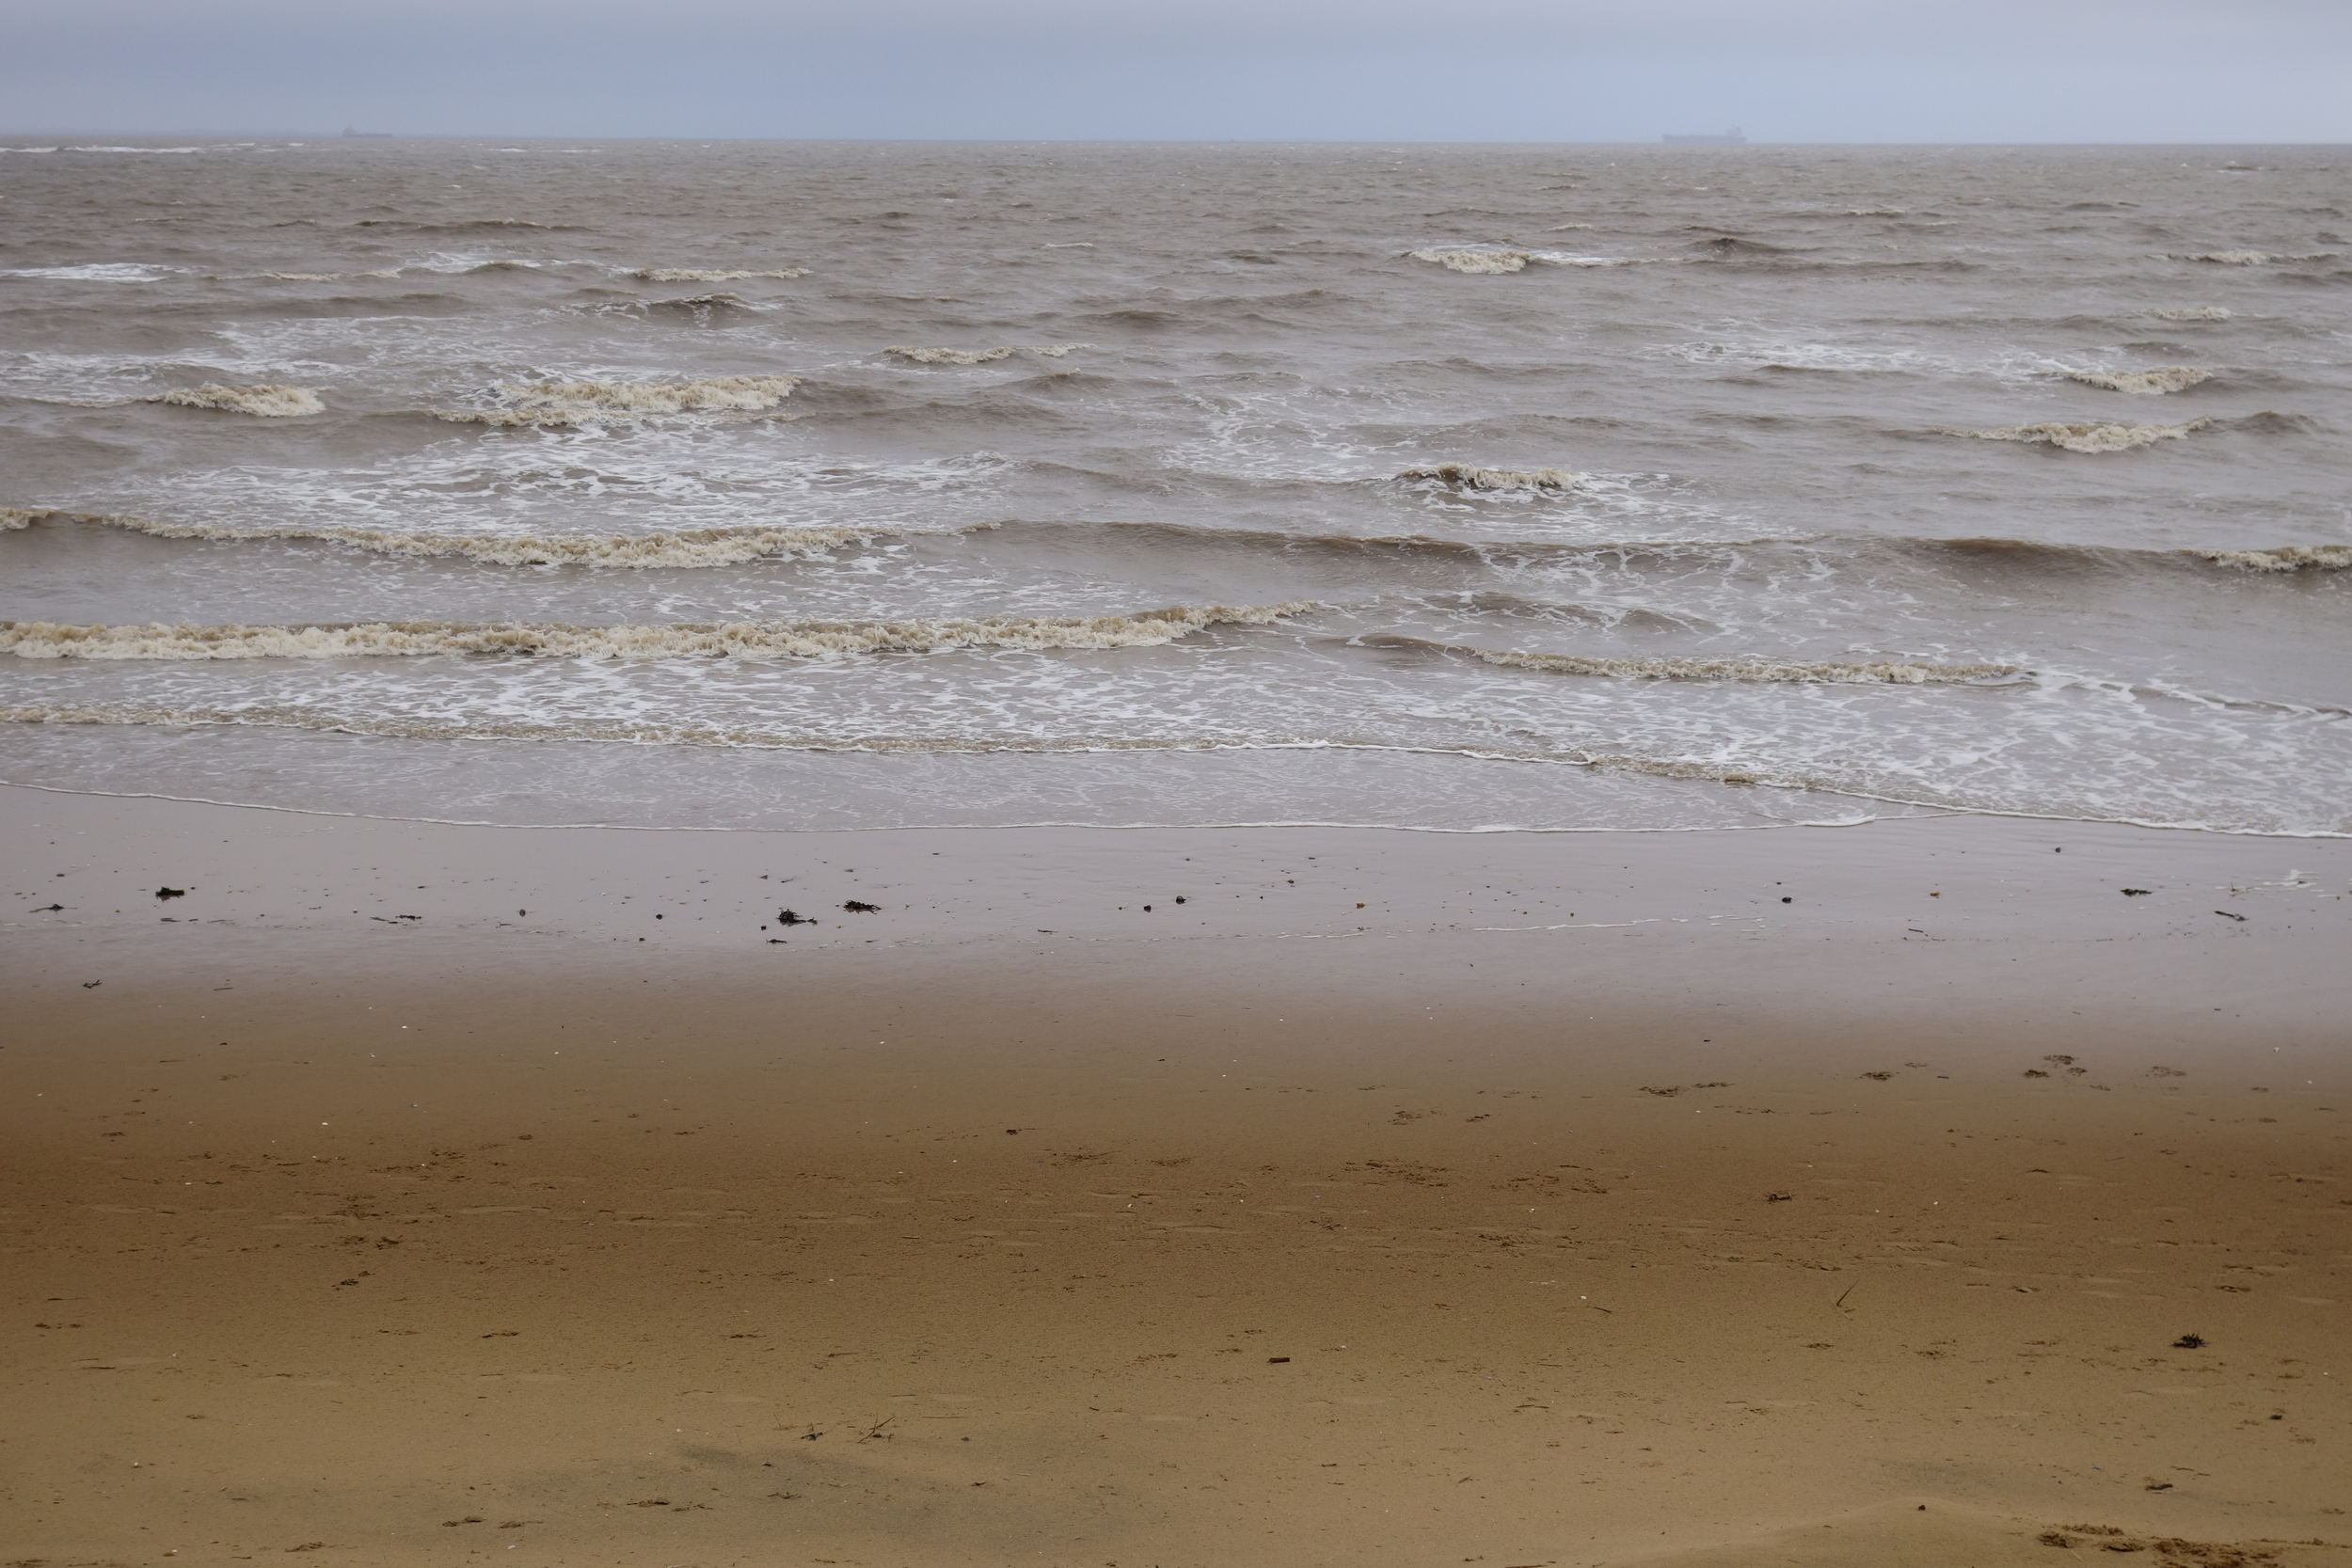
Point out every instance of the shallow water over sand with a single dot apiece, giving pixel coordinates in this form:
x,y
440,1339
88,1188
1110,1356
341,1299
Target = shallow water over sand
x,y
838,485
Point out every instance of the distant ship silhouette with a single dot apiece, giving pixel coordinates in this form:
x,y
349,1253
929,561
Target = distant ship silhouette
x,y
1733,138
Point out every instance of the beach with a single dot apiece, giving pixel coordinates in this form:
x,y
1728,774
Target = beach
x,y
1173,856
403,1192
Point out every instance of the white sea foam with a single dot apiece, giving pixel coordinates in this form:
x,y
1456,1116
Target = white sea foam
x,y
43,639
707,275
686,548
268,402
2172,378
1462,476
1494,261
979,356
2285,558
134,149
2253,258
95,272
1563,227
1745,671
544,402
2193,314
2088,437
1491,262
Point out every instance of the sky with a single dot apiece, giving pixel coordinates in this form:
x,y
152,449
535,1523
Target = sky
x,y
1471,70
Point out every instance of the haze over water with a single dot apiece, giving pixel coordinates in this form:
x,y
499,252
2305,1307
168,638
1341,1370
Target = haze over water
x,y
829,484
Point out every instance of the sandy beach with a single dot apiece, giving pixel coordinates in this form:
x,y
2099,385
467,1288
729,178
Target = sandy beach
x,y
1903,1194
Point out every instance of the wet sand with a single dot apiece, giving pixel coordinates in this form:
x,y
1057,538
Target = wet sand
x,y
1522,1199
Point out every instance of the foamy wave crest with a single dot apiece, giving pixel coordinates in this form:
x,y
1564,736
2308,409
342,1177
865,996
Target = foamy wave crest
x,y
691,548
2253,258
1745,671
2088,437
1462,476
1497,259
707,275
742,640
624,732
979,356
95,272
1490,262
2193,314
2287,558
268,403
2172,378
579,402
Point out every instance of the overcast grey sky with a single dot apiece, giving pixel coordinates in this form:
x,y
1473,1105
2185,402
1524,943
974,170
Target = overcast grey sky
x,y
1253,70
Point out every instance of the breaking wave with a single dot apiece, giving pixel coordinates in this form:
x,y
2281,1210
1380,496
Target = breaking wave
x,y
465,226
44,640
2193,314
1492,263
579,402
2088,437
2172,378
1745,671
707,274
978,356
268,402
2287,558
95,272
690,547
1495,260
701,307
1462,476
1851,550
2253,258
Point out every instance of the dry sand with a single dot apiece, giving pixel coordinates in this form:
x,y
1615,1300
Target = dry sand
x,y
1512,1199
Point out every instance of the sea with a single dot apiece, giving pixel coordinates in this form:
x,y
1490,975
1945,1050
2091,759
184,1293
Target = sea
x,y
823,485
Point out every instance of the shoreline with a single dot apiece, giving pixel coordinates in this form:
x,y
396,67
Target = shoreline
x,y
1575,1202
1905,811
